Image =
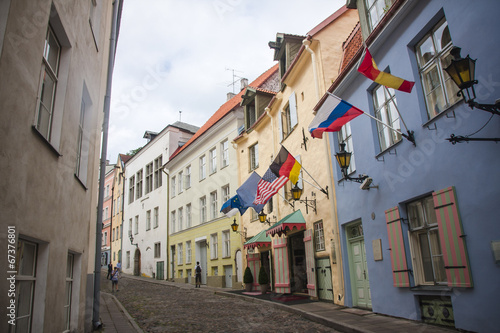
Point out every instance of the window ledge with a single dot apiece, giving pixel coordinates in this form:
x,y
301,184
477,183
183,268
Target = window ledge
x,y
387,150
47,142
451,108
80,182
431,288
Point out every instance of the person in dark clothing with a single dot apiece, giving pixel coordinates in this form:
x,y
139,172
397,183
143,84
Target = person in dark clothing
x,y
110,270
197,271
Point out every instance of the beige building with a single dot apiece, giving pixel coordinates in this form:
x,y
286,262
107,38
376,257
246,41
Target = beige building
x,y
310,235
53,65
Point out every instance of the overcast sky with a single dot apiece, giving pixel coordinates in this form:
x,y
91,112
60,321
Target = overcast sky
x,y
179,55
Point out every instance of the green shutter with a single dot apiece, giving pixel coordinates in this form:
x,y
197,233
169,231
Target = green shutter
x,y
398,254
452,238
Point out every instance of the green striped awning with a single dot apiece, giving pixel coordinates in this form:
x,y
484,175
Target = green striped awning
x,y
288,223
261,239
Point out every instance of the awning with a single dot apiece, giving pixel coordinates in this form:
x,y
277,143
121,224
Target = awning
x,y
261,239
288,223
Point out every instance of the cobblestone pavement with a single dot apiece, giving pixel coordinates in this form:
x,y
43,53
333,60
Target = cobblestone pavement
x,y
163,308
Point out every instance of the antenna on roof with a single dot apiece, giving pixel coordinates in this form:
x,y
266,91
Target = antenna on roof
x,y
180,116
234,77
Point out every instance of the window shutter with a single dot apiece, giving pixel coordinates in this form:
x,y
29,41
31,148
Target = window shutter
x,y
310,267
253,260
398,254
281,268
292,103
451,237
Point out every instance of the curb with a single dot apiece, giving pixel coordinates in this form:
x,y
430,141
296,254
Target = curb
x,y
122,309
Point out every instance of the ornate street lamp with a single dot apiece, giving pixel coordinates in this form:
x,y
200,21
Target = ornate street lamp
x,y
344,159
263,217
297,193
235,226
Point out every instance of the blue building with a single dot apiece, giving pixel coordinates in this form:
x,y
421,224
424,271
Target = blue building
x,y
419,241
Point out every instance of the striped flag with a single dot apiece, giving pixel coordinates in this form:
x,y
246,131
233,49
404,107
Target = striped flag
x,y
286,165
268,186
369,68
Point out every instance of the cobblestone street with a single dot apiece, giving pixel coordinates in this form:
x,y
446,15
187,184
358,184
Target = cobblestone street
x,y
163,308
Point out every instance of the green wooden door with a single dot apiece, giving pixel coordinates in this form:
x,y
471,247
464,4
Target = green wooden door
x,y
324,276
359,274
160,268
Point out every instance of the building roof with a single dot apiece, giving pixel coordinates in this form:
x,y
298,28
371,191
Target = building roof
x,y
225,109
351,46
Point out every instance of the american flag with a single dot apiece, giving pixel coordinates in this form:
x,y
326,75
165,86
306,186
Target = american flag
x,y
268,186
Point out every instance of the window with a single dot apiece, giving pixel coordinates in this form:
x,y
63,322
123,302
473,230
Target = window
x,y
213,160
289,116
172,221
345,136
180,212
158,173
106,213
113,235
69,290
226,246
213,246
138,184
155,220
250,116
149,177
50,72
213,205
181,184
130,227
188,177
225,193
384,104
127,259
131,191
157,250
26,263
172,187
203,209
114,207
424,235
188,216
253,157
433,55
179,254
203,167
105,238
118,204
136,231
148,220
319,236
224,147
188,252
83,141
376,9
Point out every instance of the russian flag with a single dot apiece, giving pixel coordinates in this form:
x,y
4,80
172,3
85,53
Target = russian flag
x,y
332,115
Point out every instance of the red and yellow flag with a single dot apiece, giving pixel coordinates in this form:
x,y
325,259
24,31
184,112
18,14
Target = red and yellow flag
x,y
286,165
369,68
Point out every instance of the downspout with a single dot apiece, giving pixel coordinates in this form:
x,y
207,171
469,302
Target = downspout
x,y
104,149
167,247
307,42
268,111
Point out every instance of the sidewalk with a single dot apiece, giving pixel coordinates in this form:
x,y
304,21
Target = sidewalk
x,y
116,319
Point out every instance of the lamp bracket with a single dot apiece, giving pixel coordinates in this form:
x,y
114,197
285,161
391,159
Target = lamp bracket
x,y
454,139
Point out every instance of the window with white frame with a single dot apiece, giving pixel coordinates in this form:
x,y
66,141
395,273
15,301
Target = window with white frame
x,y
226,246
213,246
289,116
213,160
345,136
203,167
424,239
224,147
149,177
113,235
138,184
384,103
158,173
180,256
156,217
188,177
188,216
375,10
188,252
172,186
319,236
130,227
136,231
26,265
180,213
127,259
213,205
203,209
172,221
114,208
105,238
148,220
131,191
253,157
69,290
157,249
433,55
225,193
181,183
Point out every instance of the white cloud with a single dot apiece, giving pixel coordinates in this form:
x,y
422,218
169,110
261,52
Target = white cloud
x,y
174,55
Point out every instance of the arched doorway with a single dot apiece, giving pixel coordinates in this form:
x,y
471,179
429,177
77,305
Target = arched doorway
x,y
239,266
137,262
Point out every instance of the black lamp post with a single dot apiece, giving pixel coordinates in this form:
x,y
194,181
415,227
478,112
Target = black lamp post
x,y
132,240
235,226
344,159
297,193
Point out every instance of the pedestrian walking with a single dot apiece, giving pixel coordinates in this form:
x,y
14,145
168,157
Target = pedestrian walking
x,y
197,270
114,279
119,265
110,270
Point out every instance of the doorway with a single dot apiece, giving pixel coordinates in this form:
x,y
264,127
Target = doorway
x,y
239,266
201,256
324,276
358,269
137,262
298,278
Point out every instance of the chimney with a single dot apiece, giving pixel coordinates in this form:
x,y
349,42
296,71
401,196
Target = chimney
x,y
230,95
244,83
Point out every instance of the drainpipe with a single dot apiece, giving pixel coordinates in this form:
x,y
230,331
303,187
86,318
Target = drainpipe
x,y
167,247
268,113
104,149
306,42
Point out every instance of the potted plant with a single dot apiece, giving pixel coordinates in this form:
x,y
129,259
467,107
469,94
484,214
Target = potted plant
x,y
248,279
263,280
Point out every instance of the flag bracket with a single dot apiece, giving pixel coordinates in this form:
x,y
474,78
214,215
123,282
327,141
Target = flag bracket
x,y
410,137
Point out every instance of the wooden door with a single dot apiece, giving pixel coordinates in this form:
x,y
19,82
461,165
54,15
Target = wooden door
x,y
359,275
324,277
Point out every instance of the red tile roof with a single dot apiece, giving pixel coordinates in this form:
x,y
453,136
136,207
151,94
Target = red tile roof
x,y
351,46
225,109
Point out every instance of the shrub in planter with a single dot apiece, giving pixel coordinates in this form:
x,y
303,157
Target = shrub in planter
x,y
248,279
263,280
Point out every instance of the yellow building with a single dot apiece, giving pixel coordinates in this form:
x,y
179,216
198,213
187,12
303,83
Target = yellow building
x,y
303,235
